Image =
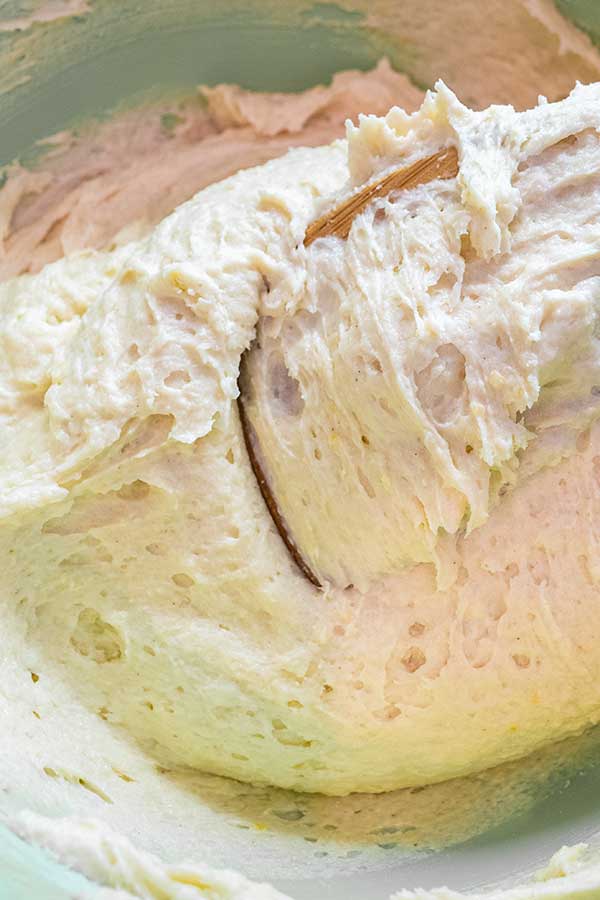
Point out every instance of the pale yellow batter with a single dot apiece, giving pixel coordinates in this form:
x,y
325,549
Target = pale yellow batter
x,y
444,362
419,388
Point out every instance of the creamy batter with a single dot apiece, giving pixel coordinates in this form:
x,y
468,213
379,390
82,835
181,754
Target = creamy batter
x,y
405,361
571,874
149,589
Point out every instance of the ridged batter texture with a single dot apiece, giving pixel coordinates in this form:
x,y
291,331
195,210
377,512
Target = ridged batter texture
x,y
425,398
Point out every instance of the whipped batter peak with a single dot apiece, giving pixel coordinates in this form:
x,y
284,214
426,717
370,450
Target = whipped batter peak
x,y
433,351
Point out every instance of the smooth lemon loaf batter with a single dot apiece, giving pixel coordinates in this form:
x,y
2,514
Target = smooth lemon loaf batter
x,y
443,362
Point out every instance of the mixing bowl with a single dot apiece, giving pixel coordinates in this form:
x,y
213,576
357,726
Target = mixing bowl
x,y
88,59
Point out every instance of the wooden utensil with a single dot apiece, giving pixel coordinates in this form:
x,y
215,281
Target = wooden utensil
x,y
338,222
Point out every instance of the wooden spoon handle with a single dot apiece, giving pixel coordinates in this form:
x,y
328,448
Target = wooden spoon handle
x,y
337,222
